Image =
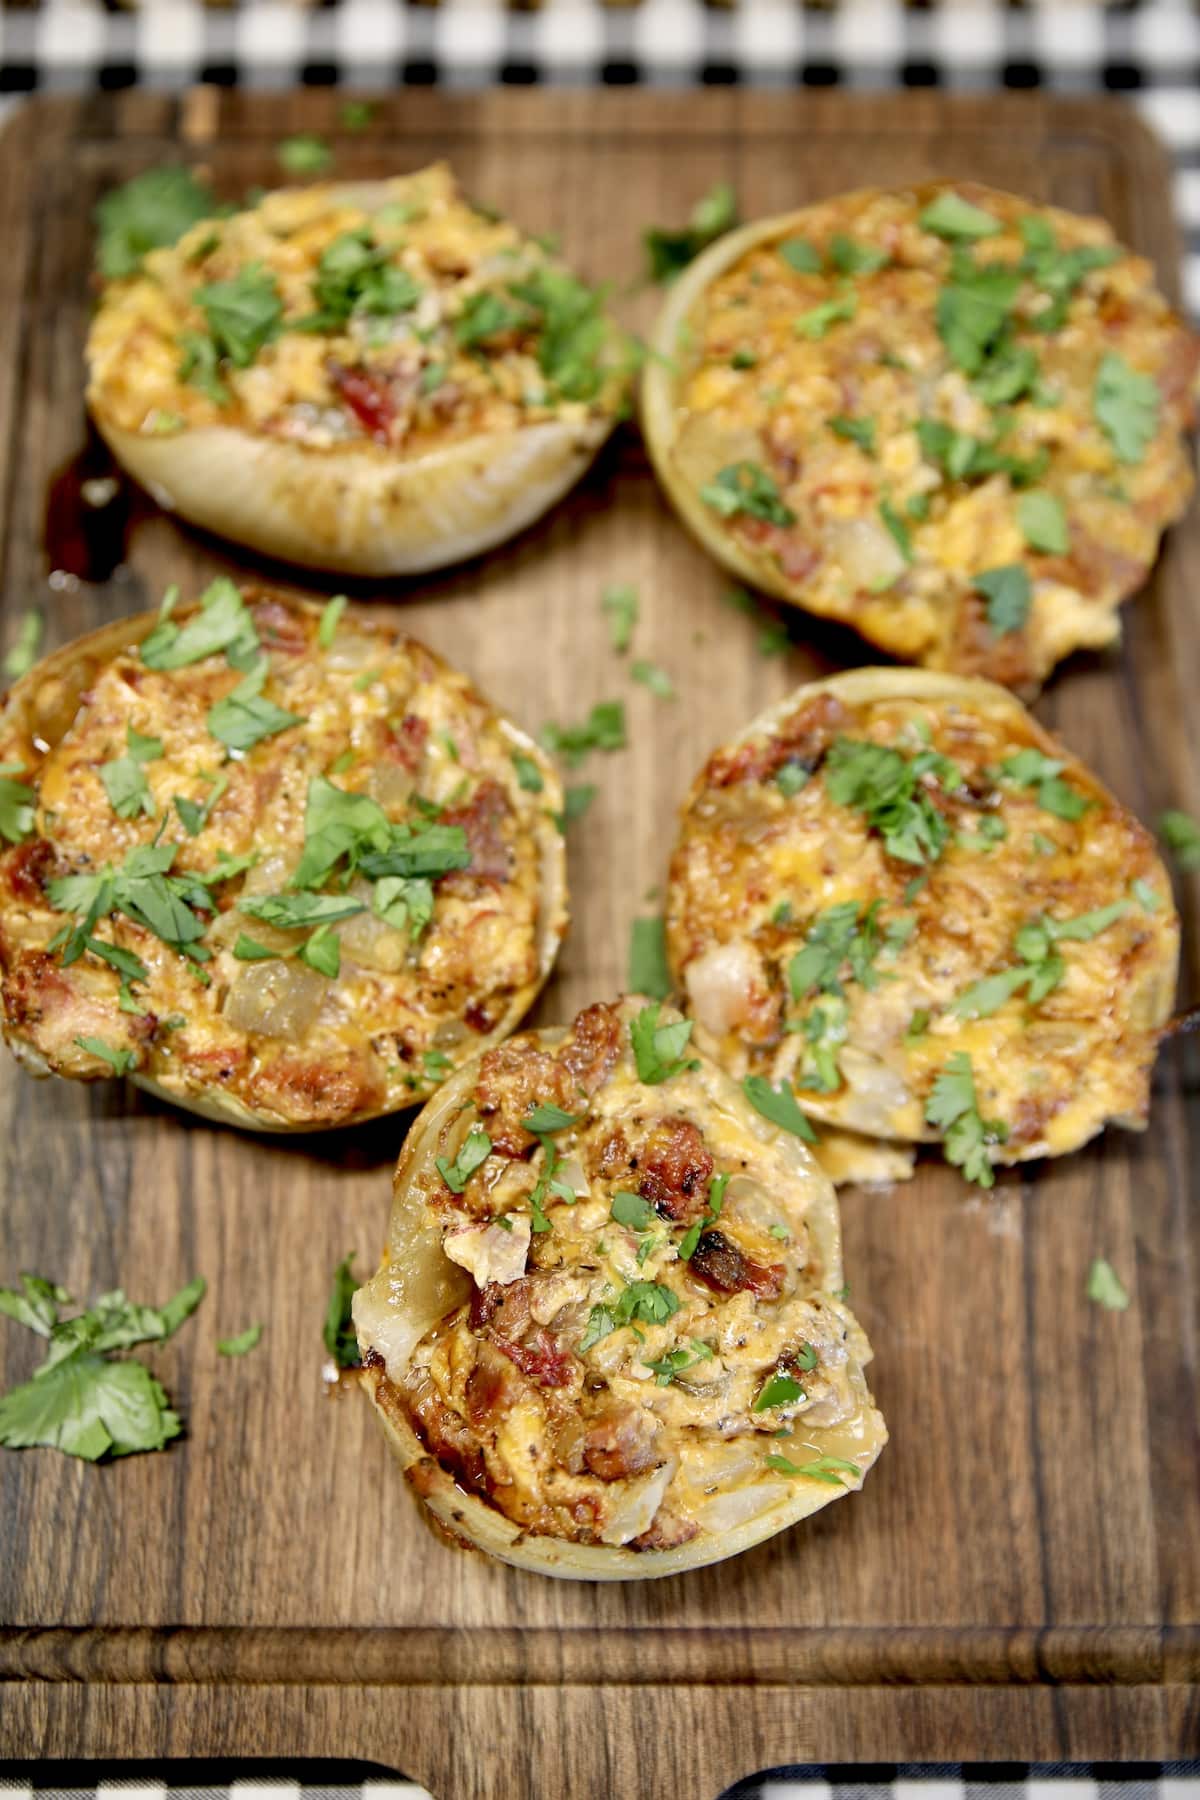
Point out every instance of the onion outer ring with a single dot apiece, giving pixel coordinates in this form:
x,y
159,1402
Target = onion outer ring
x,y
429,1277
39,708
358,509
863,687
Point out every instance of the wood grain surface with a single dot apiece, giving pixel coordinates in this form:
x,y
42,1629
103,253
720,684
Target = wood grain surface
x,y
1021,1575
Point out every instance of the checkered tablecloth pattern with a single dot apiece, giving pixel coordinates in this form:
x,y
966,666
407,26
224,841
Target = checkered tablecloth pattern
x,y
924,1781
1148,52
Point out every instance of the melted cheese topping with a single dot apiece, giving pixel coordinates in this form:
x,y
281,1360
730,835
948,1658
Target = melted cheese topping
x,y
406,379
607,1382
863,1036
380,716
770,379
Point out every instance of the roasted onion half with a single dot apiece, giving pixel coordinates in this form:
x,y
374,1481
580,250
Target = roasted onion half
x,y
608,1338
375,378
898,898
279,864
943,415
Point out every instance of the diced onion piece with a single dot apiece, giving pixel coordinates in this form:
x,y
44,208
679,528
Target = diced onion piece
x,y
391,784
634,1512
868,553
723,1512
489,1252
275,999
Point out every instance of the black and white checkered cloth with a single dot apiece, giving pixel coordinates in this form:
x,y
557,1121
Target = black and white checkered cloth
x,y
1147,51
873,1781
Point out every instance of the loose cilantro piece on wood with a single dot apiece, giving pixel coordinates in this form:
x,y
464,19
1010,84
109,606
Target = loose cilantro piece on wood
x,y
1126,404
473,1152
658,1049
240,1345
304,154
667,252
620,605
1043,522
746,487
243,313
1009,595
1178,832
657,680
779,1105
1105,1286
77,1400
148,213
648,971
338,1332
950,216
20,658
603,729
953,1109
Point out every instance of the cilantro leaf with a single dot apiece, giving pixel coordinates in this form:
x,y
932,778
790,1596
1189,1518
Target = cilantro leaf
x,y
857,431
338,1334
124,779
817,321
1043,522
20,659
648,970
244,1341
322,952
248,949
632,1210
119,1061
529,775
546,1117
897,528
667,251
1105,1286
148,213
746,487
292,912
327,625
603,729
200,366
674,1362
973,309
244,717
950,216
648,1301
1178,832
601,1324
243,313
778,1104
779,1389
304,154
654,678
194,814
576,801
1009,595
829,1469
889,789
1126,404
953,1108
36,1305
473,1152
425,850
357,277
223,623
801,256
658,1049
620,605
17,807
852,258
1030,768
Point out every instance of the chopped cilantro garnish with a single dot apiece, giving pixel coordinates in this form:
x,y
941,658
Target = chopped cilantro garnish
x,y
743,358
667,252
356,277
1043,522
950,216
1011,372
654,678
746,487
322,952
242,1344
648,1301
1178,832
17,807
1145,896
20,659
842,934
852,258
778,1104
674,1362
119,1061
473,1152
199,366
815,323
801,256
693,1234
658,1050
244,717
1009,595
966,458
193,814
338,1331
897,528
124,778
248,949
327,626
648,970
858,431
791,777
779,1389
1126,404
953,1108
1030,768
620,604
603,729
1105,1286
973,309
546,1117
148,213
223,623
890,789
1057,273
304,154
917,1026
829,1469
529,775
632,1210
292,912
243,314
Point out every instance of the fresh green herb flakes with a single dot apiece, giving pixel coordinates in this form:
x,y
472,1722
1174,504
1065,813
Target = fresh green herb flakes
x,y
801,256
658,1050
242,1344
829,1469
119,1061
746,487
18,804
778,1104
950,216
603,729
529,775
1030,768
78,1400
654,678
223,623
331,614
633,1211
667,252
338,1333
150,212
1105,1287
953,1109
243,313
819,320
244,717
304,154
1126,404
473,1152
857,431
890,790
20,659
1009,595
1178,832
648,970
1043,522
124,778
620,604
674,1362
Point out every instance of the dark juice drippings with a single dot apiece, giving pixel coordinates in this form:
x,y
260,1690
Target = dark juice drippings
x,y
88,510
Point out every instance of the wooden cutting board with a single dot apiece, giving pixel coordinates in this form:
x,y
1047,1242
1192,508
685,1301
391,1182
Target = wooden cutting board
x,y
1021,1576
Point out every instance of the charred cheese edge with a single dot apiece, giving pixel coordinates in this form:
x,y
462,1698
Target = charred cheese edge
x,y
621,1349
197,906
867,406
969,905
417,379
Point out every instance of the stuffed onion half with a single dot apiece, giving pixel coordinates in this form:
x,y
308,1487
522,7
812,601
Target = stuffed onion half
x,y
897,897
279,864
608,1338
949,417
376,378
